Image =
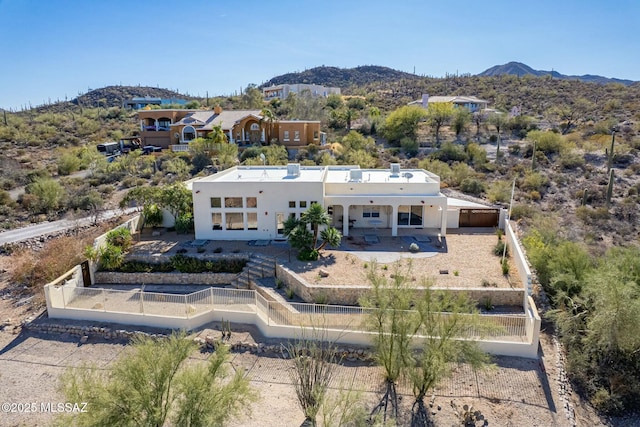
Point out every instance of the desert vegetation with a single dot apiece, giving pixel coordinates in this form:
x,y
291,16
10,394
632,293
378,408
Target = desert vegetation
x,y
572,151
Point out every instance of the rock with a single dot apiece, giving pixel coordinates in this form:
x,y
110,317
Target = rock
x,y
323,273
155,233
84,339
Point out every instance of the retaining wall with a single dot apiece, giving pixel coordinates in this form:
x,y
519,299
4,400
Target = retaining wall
x,y
519,257
112,277
351,294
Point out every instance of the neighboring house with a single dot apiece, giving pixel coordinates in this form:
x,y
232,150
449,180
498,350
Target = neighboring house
x,y
471,103
253,202
176,128
142,102
282,91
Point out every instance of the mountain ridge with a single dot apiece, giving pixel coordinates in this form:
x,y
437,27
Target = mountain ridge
x,y
519,69
340,77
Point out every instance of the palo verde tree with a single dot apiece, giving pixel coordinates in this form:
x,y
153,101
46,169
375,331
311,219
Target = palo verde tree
x,y
403,123
152,385
305,240
438,115
417,337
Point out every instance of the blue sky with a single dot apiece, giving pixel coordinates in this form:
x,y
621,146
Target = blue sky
x,y
50,49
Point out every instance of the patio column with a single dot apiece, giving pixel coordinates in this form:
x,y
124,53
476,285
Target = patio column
x,y
394,220
443,220
345,220
156,123
263,137
242,134
141,125
231,136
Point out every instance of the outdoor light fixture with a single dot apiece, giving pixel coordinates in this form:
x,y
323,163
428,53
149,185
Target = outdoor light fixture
x,y
370,201
197,191
260,191
422,201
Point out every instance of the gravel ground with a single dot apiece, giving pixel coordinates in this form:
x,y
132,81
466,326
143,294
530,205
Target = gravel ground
x,y
516,392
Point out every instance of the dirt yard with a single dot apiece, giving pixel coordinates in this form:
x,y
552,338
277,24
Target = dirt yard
x,y
468,261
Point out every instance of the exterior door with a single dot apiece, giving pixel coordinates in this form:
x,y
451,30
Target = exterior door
x,y
280,219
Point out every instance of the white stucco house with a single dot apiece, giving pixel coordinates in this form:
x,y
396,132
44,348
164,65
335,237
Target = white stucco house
x,y
252,202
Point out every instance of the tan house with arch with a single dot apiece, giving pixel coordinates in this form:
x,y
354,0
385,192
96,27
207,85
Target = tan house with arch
x,y
176,128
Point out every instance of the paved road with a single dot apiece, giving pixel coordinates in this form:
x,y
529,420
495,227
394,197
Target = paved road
x,y
44,228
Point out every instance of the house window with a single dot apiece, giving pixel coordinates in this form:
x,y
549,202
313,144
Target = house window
x,y
409,215
216,219
252,221
255,126
252,202
216,202
371,212
164,123
235,221
296,135
188,133
233,202
286,135
315,134
303,203
292,204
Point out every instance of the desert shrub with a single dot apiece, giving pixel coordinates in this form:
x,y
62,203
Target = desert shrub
x,y
33,269
505,267
459,173
547,142
5,198
499,248
308,255
450,152
110,257
499,192
438,167
409,146
87,201
120,237
534,181
152,215
472,186
184,223
49,194
477,154
185,264
571,160
68,163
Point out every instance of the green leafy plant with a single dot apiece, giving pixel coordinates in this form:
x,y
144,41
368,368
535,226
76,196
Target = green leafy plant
x,y
290,293
505,267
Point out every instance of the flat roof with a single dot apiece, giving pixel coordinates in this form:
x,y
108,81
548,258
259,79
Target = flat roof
x,y
379,176
266,173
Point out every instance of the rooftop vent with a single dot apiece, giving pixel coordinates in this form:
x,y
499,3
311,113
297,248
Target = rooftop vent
x,y
293,169
355,175
395,169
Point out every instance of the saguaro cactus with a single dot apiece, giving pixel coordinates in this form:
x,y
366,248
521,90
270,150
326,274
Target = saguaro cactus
x,y
610,188
609,153
533,156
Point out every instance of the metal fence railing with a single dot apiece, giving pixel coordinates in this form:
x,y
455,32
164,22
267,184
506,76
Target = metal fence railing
x,y
488,327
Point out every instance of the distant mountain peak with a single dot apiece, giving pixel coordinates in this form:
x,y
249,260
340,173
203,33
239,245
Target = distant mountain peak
x,y
519,69
341,77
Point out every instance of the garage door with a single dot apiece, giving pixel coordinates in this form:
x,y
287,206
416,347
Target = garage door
x,y
479,217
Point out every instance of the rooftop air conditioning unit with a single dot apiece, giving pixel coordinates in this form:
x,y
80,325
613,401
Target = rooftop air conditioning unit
x,y
293,169
395,168
355,175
